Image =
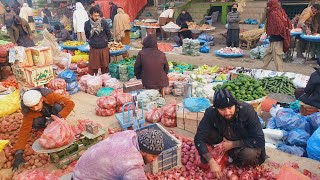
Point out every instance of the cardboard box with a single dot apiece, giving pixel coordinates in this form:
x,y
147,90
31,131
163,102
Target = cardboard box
x,y
19,73
189,121
37,76
41,56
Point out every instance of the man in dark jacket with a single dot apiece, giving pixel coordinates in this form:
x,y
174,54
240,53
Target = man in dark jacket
x,y
311,94
233,19
98,34
62,35
236,126
183,17
8,19
113,10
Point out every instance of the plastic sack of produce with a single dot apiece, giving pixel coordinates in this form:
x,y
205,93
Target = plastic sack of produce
x,y
116,92
314,120
105,77
160,102
275,108
313,147
196,104
71,86
217,154
273,136
288,120
263,124
170,110
271,123
9,103
39,174
82,71
169,121
68,75
113,83
105,112
62,92
154,115
94,85
297,137
58,83
57,134
105,91
123,98
75,90
83,82
287,172
295,150
107,102
206,37
73,66
82,64
205,49
119,109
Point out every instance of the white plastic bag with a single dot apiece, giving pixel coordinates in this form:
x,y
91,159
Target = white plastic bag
x,y
274,110
273,136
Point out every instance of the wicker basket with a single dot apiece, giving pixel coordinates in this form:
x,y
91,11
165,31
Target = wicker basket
x,y
173,30
307,110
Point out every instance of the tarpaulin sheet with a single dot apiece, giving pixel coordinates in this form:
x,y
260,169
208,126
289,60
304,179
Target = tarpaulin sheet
x,y
132,8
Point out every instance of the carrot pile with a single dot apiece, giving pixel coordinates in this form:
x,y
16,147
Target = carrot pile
x,y
10,83
10,126
164,47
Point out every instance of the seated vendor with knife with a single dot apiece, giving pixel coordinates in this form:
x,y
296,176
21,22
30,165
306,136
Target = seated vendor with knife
x,y
37,107
235,126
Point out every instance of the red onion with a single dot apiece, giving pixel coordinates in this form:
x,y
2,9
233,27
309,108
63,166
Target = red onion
x,y
186,156
189,143
209,175
234,177
184,150
229,173
191,159
185,174
184,161
240,171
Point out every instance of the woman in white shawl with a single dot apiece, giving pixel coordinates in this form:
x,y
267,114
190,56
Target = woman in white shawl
x,y
26,13
60,59
80,16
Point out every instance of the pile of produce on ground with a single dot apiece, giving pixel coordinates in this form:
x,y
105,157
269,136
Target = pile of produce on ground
x,y
230,50
80,56
190,47
123,70
165,47
279,84
59,86
244,88
193,168
151,99
115,46
193,25
73,43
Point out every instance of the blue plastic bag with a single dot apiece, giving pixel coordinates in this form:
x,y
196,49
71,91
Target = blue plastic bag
x,y
314,121
297,137
263,124
206,37
105,91
205,48
288,120
313,145
295,150
71,86
68,75
75,90
271,123
196,104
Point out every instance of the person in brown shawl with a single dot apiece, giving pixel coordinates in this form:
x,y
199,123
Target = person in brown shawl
x,y
98,34
151,65
121,27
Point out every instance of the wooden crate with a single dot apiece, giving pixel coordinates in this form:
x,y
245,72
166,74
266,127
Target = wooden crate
x,y
37,76
189,121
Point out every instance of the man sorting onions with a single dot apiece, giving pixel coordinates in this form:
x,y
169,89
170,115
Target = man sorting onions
x,y
235,126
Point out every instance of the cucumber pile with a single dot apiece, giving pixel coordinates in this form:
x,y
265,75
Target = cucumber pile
x,y
279,84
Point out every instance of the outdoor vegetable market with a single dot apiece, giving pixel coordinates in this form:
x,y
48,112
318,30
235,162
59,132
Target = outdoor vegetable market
x,y
174,90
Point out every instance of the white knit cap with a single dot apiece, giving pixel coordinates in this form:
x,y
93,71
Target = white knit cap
x,y
31,98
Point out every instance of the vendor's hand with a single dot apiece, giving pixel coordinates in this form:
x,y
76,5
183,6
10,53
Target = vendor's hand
x,y
215,168
308,32
18,161
227,145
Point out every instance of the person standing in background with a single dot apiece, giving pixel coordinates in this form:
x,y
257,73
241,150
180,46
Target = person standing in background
x,y
164,18
113,10
46,15
16,7
8,18
121,27
23,35
26,13
93,3
80,16
98,34
278,28
233,19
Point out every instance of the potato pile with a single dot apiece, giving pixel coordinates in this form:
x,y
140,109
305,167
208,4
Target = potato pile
x,y
115,46
10,126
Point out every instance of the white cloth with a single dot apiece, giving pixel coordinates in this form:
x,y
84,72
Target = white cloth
x,y
167,13
31,98
80,16
25,12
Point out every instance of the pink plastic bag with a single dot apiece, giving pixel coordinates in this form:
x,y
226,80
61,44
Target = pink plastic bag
x,y
83,86
123,98
168,121
169,110
217,154
82,71
113,83
107,102
94,85
105,112
56,84
116,92
36,174
154,115
56,134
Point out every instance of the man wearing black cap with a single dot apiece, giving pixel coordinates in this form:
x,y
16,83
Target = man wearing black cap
x,y
120,156
236,127
62,35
